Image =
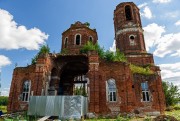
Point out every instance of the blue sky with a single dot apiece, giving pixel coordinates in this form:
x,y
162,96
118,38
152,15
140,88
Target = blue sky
x,y
25,25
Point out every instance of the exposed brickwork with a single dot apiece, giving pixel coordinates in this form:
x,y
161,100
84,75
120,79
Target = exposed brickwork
x,y
77,29
55,72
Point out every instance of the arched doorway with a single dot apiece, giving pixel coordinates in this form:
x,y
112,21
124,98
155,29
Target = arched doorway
x,y
54,81
73,74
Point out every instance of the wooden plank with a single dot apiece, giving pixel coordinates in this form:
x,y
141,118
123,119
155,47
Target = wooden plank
x,y
44,118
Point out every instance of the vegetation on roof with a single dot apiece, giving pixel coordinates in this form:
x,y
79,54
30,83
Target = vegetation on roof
x,y
141,70
87,24
106,55
43,50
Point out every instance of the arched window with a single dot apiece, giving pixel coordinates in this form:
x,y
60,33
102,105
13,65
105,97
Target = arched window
x,y
26,91
132,40
128,12
65,42
90,39
145,92
78,39
111,90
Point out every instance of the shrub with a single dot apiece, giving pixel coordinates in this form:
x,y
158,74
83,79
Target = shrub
x,y
141,70
169,108
176,107
120,118
165,118
171,93
108,55
43,50
3,100
148,118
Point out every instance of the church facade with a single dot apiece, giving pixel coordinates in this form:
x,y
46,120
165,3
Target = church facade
x,y
111,87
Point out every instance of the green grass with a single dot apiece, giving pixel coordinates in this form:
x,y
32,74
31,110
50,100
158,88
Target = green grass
x,y
3,108
175,113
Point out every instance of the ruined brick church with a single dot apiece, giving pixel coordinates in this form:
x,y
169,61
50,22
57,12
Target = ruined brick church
x,y
111,87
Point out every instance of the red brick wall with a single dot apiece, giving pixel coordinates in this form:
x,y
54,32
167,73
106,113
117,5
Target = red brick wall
x,y
124,28
84,31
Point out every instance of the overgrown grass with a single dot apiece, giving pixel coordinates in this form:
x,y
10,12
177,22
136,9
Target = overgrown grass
x,y
175,112
106,55
141,70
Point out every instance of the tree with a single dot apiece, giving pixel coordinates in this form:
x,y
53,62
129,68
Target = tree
x,y
43,50
108,55
3,100
171,93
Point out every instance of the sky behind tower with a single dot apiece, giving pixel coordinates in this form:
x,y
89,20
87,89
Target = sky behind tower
x,y
25,25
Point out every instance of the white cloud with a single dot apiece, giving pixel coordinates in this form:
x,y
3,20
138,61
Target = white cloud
x,y
152,33
172,14
113,48
161,1
142,5
164,44
171,73
168,44
177,23
146,12
5,92
4,61
14,36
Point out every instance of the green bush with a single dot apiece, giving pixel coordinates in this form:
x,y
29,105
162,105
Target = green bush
x,y
120,118
176,107
92,47
141,70
108,55
169,108
147,118
171,93
43,50
3,101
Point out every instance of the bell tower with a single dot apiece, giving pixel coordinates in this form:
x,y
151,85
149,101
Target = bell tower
x,y
128,29
129,34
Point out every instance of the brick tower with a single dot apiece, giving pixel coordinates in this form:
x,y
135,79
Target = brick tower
x,y
77,36
130,40
129,34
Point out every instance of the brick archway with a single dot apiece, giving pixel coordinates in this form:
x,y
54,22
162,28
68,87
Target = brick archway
x,y
71,73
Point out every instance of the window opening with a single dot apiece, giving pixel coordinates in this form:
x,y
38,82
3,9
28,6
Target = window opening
x,y
132,40
66,42
145,92
78,39
90,39
26,91
111,90
128,12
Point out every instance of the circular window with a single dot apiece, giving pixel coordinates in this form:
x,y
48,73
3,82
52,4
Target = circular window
x,y
131,37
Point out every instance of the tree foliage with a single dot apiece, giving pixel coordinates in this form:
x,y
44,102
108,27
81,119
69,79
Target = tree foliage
x,y
80,91
3,100
43,50
115,56
108,55
87,24
171,92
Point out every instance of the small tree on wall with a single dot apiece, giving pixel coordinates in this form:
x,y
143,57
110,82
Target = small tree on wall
x,y
43,50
